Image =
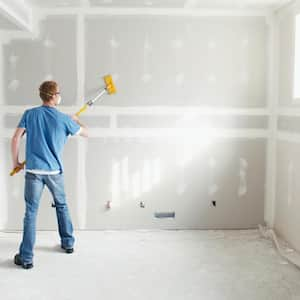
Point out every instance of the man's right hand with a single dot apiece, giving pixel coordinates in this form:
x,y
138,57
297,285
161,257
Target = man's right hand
x,y
18,165
83,128
75,118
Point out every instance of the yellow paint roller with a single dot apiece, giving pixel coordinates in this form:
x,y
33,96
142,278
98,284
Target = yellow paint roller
x,y
109,89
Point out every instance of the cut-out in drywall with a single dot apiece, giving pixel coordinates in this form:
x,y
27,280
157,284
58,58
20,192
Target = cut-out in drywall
x,y
163,215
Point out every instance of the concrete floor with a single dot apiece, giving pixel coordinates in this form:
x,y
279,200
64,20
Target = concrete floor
x,y
156,265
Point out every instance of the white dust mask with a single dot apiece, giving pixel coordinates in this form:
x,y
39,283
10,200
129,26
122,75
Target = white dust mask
x,y
59,99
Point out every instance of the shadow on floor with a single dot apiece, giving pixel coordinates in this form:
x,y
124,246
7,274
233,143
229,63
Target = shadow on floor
x,y
55,248
8,264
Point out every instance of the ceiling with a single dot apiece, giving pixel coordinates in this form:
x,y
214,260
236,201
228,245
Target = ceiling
x,y
223,4
6,24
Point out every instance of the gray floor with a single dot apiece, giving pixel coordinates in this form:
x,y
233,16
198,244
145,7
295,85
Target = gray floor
x,y
150,265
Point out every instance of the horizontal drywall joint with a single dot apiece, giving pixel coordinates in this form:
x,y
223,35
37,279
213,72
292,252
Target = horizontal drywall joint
x,y
151,110
172,132
155,12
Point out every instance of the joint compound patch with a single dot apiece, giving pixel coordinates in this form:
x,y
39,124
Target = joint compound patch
x,y
243,177
213,187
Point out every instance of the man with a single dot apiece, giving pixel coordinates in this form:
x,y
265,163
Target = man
x,y
46,130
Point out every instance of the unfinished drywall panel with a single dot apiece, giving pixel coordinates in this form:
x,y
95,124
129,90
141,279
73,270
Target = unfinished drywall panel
x,y
50,56
288,165
158,60
120,179
192,120
11,120
55,3
14,205
289,124
138,3
287,202
96,121
134,178
192,4
286,44
3,199
23,60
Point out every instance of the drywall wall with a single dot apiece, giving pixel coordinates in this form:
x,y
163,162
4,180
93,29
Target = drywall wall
x,y
186,132
179,60
29,62
159,173
288,125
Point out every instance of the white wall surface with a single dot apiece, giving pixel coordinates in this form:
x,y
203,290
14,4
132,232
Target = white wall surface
x,y
188,126
287,222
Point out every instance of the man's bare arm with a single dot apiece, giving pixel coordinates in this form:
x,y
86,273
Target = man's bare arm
x,y
15,147
83,129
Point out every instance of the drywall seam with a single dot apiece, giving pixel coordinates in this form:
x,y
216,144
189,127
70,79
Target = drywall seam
x,y
156,11
80,60
288,136
287,8
151,110
288,111
270,187
113,120
81,175
283,5
8,36
167,132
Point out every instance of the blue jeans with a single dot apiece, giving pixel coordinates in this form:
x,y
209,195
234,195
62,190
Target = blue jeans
x,y
34,185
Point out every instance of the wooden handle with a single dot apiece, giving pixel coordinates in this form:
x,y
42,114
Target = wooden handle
x,y
82,109
17,169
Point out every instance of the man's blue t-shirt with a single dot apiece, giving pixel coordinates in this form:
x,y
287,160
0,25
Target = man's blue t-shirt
x,y
47,130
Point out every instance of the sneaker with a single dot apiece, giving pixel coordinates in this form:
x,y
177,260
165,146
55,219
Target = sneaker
x,y
68,250
18,261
